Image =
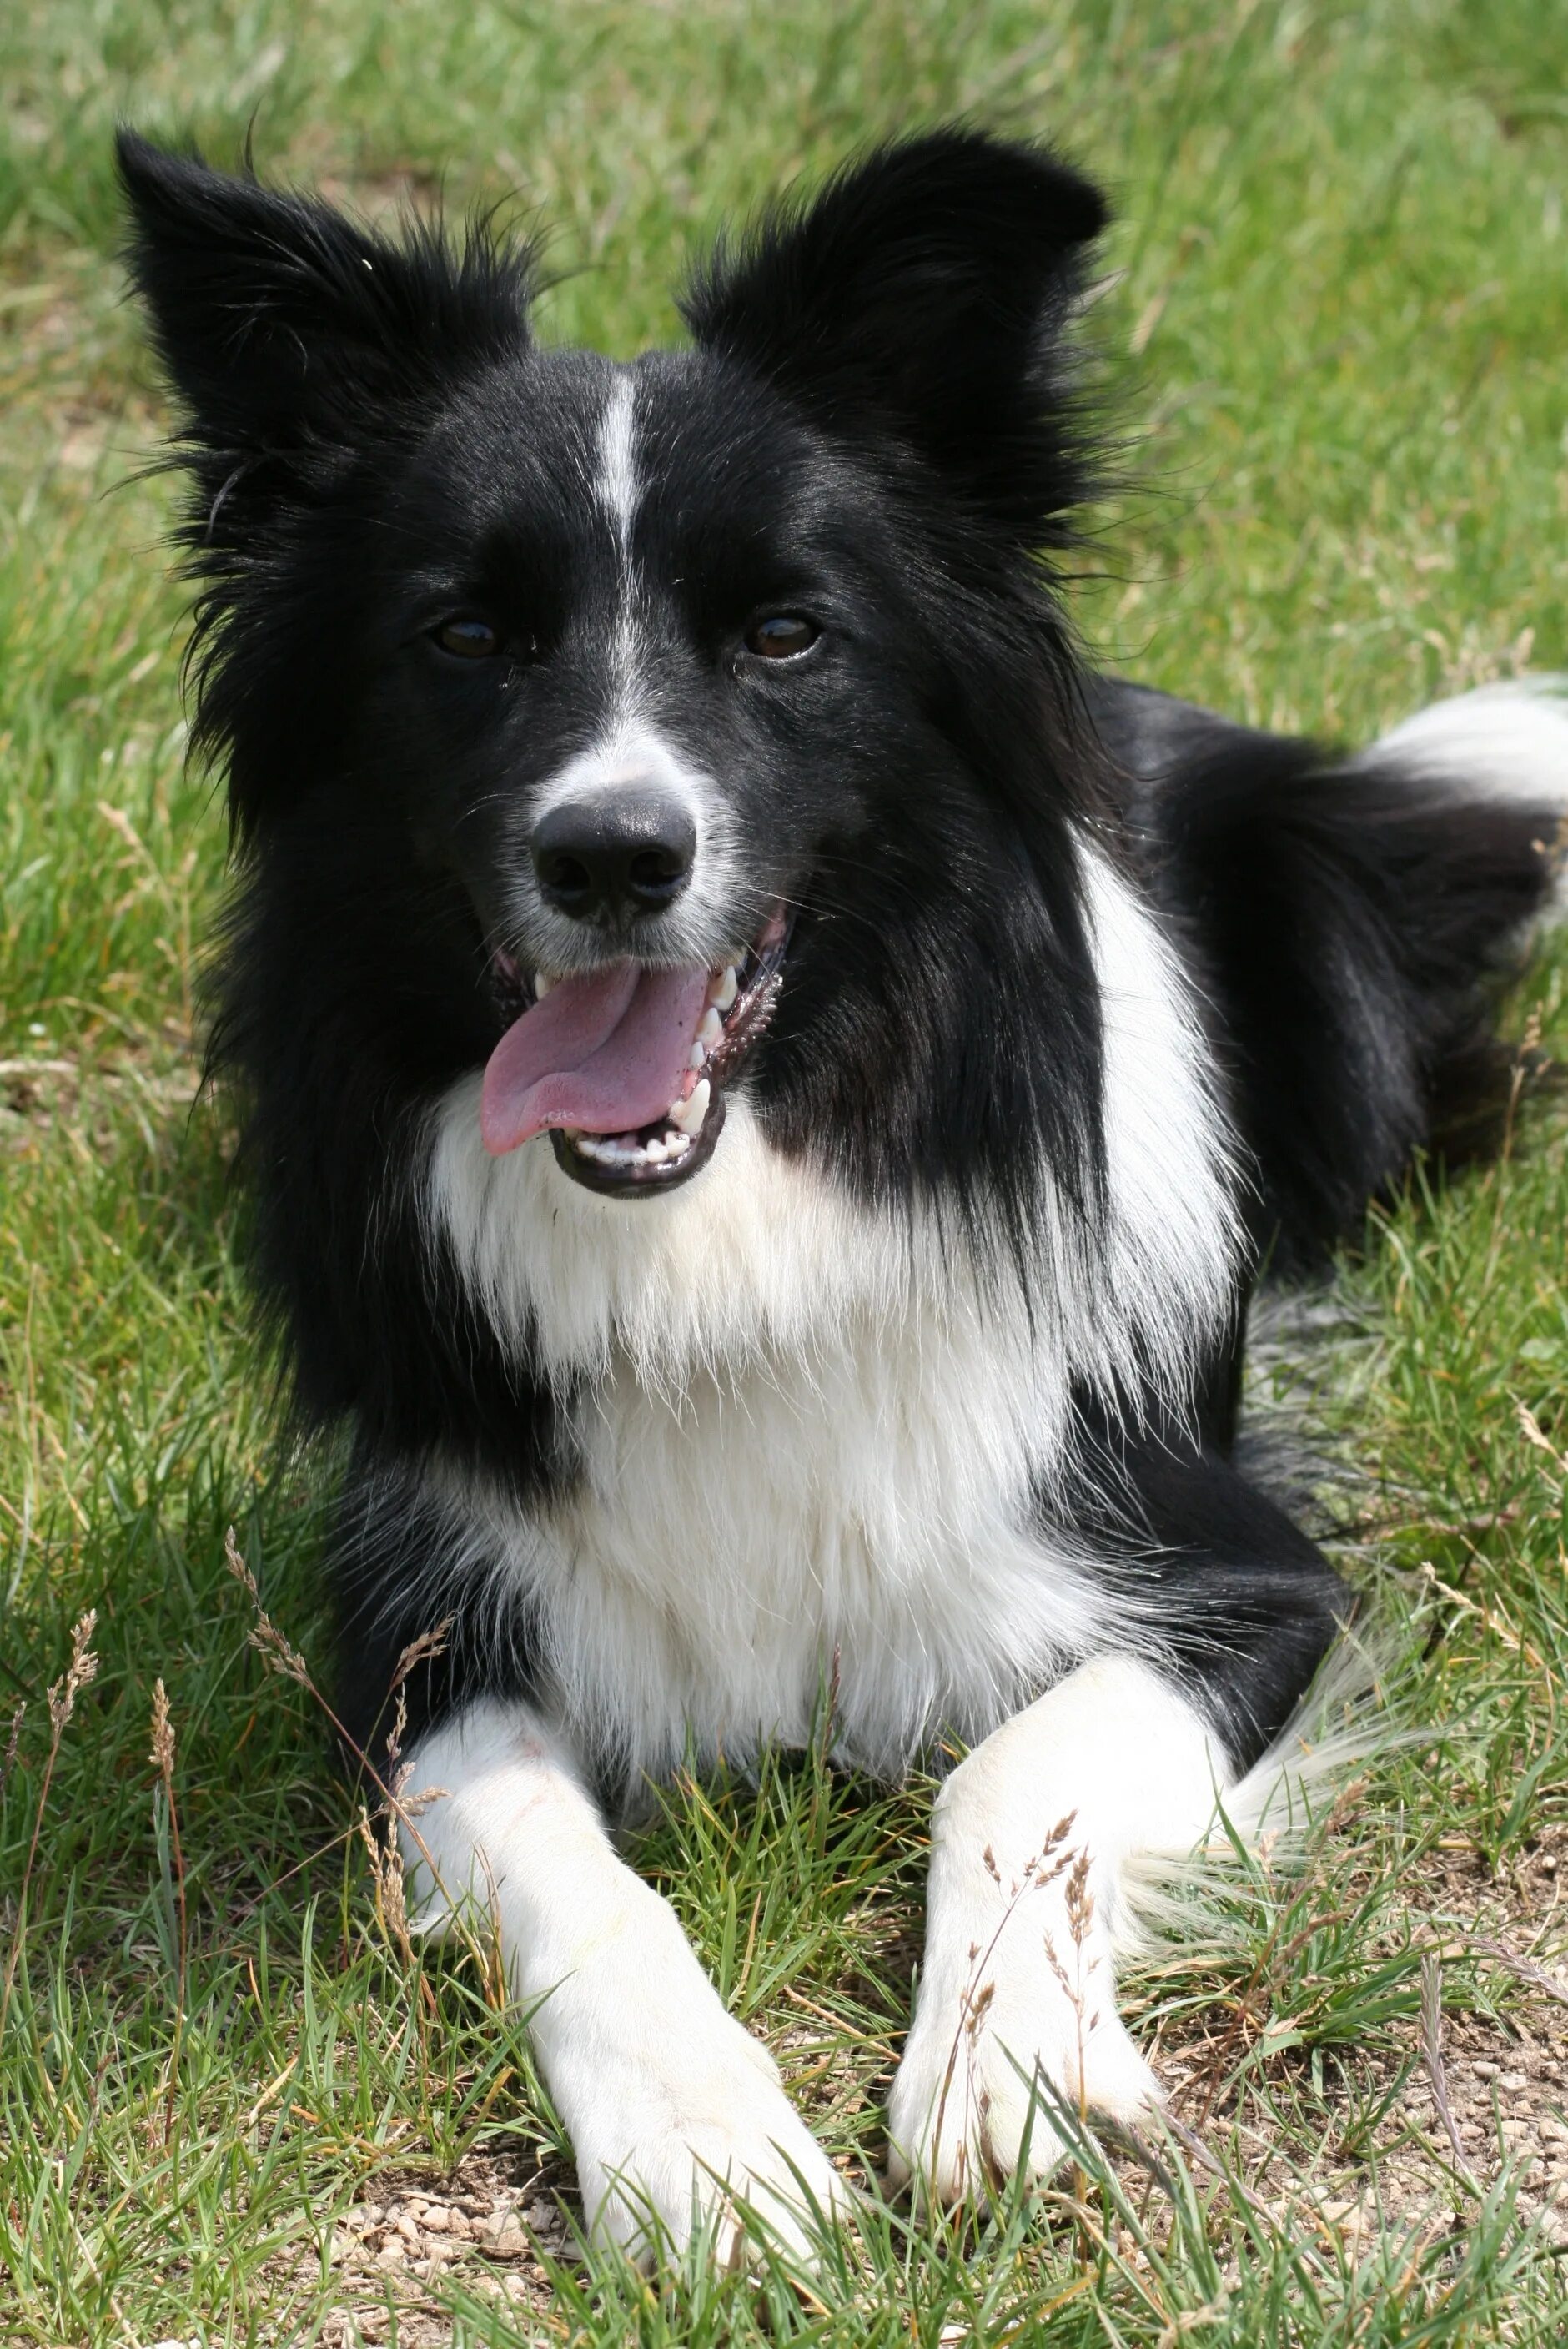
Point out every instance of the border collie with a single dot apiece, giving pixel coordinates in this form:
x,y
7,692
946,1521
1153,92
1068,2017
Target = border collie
x,y
769,1082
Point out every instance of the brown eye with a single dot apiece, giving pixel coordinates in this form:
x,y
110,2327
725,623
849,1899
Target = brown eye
x,y
781,636
467,638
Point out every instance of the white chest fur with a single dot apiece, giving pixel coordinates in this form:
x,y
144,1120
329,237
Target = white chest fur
x,y
851,1525
812,1433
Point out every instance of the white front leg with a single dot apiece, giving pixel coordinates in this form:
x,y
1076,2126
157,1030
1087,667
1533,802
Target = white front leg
x,y
667,2099
1025,1913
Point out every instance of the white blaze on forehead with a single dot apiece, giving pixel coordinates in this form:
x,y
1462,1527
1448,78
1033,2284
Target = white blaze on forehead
x,y
616,486
630,750
615,491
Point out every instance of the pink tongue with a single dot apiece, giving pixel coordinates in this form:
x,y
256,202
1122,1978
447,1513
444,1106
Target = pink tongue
x,y
607,1052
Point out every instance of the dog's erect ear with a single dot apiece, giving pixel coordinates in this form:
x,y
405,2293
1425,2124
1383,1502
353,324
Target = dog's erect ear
x,y
281,321
926,288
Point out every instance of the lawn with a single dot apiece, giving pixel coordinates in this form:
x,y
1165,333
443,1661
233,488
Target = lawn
x,y
234,2106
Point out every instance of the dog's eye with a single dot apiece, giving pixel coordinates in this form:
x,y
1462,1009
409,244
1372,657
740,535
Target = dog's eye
x,y
781,636
467,638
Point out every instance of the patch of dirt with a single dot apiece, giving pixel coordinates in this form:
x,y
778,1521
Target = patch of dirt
x,y
1503,2084
1469,2096
489,2224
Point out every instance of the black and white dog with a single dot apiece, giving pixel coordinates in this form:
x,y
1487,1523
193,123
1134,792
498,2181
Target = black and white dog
x,y
769,1084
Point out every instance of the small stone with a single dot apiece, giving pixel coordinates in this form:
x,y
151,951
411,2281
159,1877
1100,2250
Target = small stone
x,y
510,2243
459,2224
541,2217
394,2253
1484,2070
408,2228
436,2219
1513,2081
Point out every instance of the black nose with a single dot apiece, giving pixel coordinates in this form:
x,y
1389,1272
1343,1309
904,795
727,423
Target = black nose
x,y
616,855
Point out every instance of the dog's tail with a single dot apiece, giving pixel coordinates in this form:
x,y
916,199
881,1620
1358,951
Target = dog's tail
x,y
1349,918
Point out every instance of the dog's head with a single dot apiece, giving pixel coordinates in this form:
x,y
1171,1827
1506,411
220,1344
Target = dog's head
x,y
635,730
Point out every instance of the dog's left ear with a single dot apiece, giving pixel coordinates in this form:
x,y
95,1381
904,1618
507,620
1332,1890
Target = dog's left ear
x,y
925,289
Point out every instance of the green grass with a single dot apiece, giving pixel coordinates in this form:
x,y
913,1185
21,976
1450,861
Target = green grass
x,y
1340,337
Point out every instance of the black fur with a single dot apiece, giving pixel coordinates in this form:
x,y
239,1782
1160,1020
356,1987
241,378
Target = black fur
x,y
1346,924
1245,1603
879,416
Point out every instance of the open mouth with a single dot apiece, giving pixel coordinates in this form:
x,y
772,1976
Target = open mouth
x,y
625,1067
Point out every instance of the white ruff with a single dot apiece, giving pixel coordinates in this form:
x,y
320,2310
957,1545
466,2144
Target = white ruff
x,y
813,1435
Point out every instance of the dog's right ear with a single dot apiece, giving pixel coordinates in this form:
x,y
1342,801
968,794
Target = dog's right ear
x,y
287,327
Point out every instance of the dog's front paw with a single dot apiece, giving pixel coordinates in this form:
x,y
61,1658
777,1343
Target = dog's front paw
x,y
677,2114
684,2131
1012,2026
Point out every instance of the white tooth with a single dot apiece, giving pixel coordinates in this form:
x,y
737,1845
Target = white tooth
x,y
697,1054
655,1151
678,1144
724,990
543,983
689,1114
710,1028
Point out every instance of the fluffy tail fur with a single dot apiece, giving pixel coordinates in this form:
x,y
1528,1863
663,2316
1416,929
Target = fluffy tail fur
x,y
1348,918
